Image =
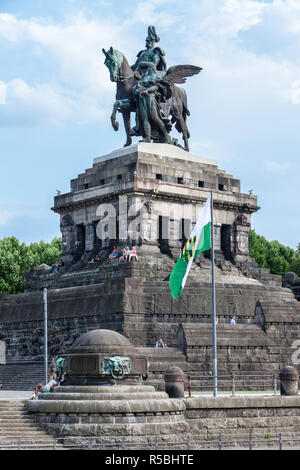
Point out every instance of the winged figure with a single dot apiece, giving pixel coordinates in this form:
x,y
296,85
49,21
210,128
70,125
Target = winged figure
x,y
179,73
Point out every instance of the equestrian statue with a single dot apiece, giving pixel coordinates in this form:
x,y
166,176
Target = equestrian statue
x,y
148,88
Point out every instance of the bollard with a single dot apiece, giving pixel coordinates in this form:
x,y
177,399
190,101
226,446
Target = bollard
x,y
275,384
233,384
174,382
289,381
190,386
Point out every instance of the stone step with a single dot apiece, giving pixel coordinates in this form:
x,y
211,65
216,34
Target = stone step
x,y
21,375
34,446
13,410
18,422
48,440
16,404
21,433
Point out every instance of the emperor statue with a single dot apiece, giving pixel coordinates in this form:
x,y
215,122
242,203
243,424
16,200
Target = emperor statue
x,y
148,88
152,53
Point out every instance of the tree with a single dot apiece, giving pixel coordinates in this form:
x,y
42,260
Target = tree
x,y
16,258
295,267
272,255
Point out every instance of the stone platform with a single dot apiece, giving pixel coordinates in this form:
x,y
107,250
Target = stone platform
x,y
151,195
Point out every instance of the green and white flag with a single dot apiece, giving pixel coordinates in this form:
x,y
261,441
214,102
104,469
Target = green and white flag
x,y
199,241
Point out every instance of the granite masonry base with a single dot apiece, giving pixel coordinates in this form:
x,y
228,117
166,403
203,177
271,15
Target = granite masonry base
x,y
265,417
156,193
141,308
109,411
116,418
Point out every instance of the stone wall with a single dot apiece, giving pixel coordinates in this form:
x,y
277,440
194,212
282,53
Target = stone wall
x,y
141,308
210,416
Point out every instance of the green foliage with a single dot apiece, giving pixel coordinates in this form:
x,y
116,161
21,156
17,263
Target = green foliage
x,y
278,258
295,267
16,258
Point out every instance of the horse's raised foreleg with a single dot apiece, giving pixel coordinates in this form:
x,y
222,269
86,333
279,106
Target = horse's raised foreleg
x,y
114,122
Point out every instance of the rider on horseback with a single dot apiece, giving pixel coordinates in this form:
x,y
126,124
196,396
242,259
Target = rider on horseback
x,y
151,54
150,91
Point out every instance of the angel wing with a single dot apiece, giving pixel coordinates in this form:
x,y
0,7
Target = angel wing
x,y
179,73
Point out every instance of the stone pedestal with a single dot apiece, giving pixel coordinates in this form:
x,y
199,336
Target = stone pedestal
x,y
150,195
120,407
174,380
289,379
103,357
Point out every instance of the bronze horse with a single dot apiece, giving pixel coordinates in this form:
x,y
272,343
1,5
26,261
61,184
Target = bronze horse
x,y
126,78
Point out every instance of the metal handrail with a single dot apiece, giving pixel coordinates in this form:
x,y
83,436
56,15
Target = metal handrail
x,y
88,442
234,378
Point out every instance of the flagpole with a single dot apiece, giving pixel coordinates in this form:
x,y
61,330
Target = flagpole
x,y
213,296
45,335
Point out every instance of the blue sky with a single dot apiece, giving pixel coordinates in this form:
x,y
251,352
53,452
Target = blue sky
x,y
57,98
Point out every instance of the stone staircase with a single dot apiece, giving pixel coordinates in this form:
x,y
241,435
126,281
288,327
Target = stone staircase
x,y
20,430
159,360
21,375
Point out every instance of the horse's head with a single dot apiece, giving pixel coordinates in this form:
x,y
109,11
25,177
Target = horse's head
x,y
113,61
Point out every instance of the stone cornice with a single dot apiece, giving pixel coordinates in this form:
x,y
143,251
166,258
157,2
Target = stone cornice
x,y
156,194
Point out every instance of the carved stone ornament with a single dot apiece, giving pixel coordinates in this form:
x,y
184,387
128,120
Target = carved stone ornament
x,y
148,205
116,366
242,220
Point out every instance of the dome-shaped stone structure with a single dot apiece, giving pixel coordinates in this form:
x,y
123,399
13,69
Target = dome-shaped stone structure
x,y
94,403
101,340
103,357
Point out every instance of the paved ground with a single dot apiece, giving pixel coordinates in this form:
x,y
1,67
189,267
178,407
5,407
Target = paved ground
x,y
25,395
14,395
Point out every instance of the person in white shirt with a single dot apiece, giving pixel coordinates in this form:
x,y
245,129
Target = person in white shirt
x,y
232,321
50,385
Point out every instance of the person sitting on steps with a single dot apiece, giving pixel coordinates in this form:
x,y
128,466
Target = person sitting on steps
x,y
95,260
127,253
114,254
37,390
122,257
50,385
133,254
160,344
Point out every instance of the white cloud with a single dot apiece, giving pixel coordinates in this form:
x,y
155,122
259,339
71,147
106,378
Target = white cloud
x,y
74,45
150,12
2,92
7,216
206,32
32,105
225,18
293,93
280,167
80,87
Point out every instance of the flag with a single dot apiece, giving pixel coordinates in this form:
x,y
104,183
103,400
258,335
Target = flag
x,y
199,241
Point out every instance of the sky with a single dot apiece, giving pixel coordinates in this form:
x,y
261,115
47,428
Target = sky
x,y
56,98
